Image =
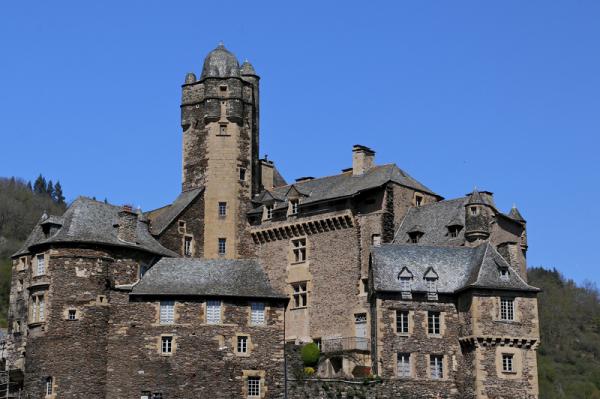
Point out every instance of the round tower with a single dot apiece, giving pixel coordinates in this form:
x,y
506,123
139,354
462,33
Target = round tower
x,y
478,216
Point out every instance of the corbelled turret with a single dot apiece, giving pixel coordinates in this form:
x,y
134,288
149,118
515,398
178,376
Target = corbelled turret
x,y
478,215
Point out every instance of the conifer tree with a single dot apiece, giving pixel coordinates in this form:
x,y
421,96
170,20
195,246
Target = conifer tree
x,y
29,186
39,187
50,189
59,198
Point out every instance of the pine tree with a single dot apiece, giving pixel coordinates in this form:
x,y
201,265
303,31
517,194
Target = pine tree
x,y
29,186
50,189
59,198
39,187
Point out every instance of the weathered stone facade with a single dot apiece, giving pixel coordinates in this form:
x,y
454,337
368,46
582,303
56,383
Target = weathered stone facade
x,y
334,260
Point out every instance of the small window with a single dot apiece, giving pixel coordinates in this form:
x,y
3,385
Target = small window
x,y
299,295
223,130
474,210
166,344
504,273
299,249
213,312
431,285
243,174
242,344
376,240
269,211
414,237
146,395
404,365
49,387
294,207
318,342
507,363
433,323
254,387
436,364
257,313
41,265
454,230
507,309
222,209
223,88
181,226
222,246
38,309
405,284
72,315
157,395
187,245
418,200
402,321
167,312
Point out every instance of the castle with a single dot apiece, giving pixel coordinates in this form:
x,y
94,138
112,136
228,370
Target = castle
x,y
209,296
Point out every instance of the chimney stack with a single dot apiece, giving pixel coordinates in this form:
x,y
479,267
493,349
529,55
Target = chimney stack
x,y
267,174
362,159
127,225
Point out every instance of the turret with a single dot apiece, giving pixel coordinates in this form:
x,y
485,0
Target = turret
x,y
516,215
478,214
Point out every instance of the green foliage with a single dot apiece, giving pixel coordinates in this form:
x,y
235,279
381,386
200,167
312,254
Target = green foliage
x,y
310,354
569,355
309,371
20,209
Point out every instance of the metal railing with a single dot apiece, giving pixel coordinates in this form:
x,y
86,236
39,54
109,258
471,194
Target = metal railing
x,y
345,344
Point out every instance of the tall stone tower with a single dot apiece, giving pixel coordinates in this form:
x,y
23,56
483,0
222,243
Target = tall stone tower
x,y
219,117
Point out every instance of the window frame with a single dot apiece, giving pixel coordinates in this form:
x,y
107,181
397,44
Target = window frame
x,y
166,313
294,206
253,386
299,295
38,308
403,368
434,323
402,322
222,209
436,367
188,245
49,386
211,305
507,309
242,344
258,316
166,344
71,312
508,363
43,268
299,249
222,246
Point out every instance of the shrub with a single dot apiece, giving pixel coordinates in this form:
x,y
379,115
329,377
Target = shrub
x,y
310,354
309,371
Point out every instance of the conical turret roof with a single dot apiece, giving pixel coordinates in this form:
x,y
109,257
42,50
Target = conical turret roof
x,y
516,215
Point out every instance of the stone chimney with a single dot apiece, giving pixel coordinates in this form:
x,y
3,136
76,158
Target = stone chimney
x,y
362,159
127,225
266,173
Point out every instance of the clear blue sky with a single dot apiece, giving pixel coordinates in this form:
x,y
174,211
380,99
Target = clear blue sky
x,y
501,95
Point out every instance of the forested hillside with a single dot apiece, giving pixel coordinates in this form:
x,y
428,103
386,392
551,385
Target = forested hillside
x,y
21,206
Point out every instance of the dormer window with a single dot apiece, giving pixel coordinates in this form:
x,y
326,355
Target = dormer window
x,y
376,240
431,278
418,200
269,211
405,277
294,206
504,273
414,236
454,230
474,210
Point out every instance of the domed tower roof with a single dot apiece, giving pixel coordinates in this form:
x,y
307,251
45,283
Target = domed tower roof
x,y
220,63
247,68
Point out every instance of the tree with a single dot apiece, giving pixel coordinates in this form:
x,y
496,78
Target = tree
x,y
59,198
39,187
50,189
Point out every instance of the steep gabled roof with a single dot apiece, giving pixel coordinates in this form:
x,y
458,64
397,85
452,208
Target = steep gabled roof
x,y
206,277
457,268
93,222
163,219
516,215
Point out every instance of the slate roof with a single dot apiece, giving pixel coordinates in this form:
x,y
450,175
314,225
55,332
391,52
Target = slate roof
x,y
220,63
458,268
206,277
162,219
90,221
516,215
345,184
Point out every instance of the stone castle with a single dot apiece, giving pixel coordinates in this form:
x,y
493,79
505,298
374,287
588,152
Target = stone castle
x,y
210,296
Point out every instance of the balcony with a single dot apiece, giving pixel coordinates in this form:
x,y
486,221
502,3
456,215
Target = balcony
x,y
345,344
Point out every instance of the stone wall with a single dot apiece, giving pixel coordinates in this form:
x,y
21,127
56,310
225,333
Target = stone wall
x,y
193,217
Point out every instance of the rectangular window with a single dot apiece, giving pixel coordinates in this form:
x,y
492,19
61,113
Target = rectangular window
x,y
49,388
507,363
242,174
222,209
418,200
299,249
269,213
402,321
254,387
167,312
507,309
294,207
38,308
41,265
166,345
299,295
187,246
436,364
404,365
222,246
242,344
146,395
72,314
213,312
223,130
376,240
433,323
258,313
405,284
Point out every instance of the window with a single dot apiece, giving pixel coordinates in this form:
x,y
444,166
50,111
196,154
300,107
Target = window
x,y
72,315
166,344
223,88
222,208
365,285
269,213
507,363
181,226
294,207
405,284
431,288
504,273
157,395
242,344
223,130
257,310
507,309
376,240
414,236
299,249
38,308
254,387
402,321
146,395
222,246
49,387
187,246
41,265
318,342
213,312
167,312
404,365
300,294
433,323
418,200
243,174
473,210
436,366
454,230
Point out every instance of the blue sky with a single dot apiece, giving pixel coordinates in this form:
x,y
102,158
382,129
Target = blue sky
x,y
499,95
